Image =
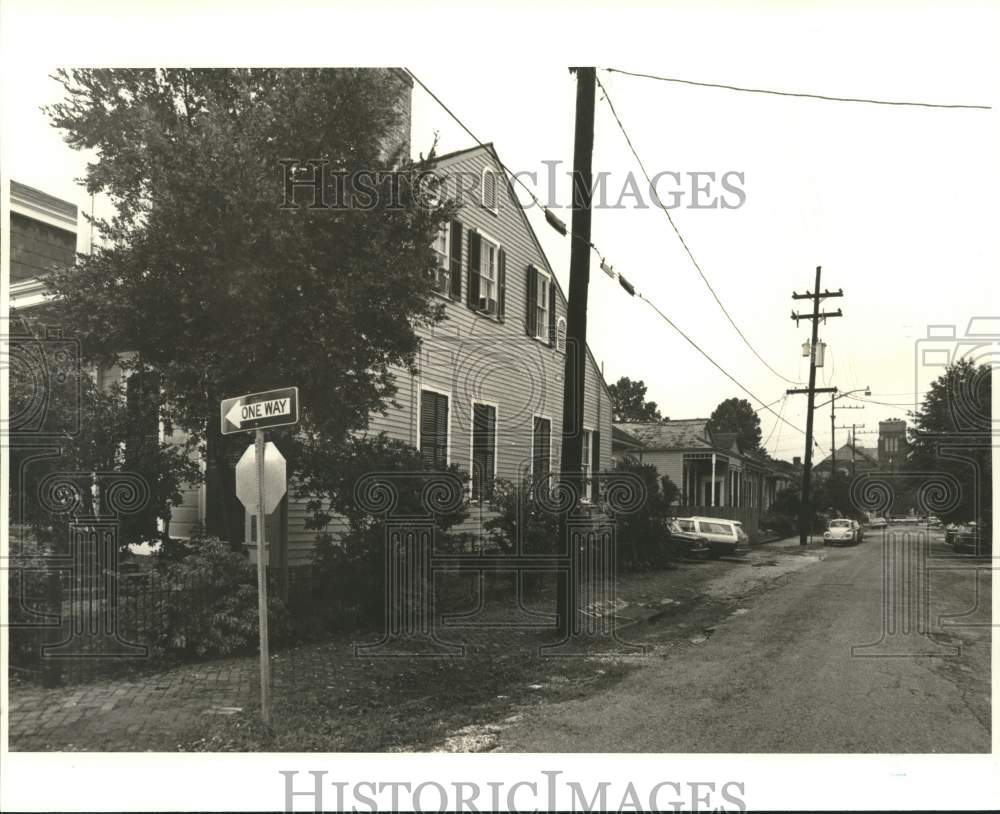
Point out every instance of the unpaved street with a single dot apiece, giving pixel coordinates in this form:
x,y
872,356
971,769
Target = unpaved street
x,y
777,673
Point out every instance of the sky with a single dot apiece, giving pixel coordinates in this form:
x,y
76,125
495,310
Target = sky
x,y
897,204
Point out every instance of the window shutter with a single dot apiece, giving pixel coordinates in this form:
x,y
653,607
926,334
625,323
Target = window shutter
x,y
561,334
455,264
501,284
472,292
434,427
595,466
530,316
552,313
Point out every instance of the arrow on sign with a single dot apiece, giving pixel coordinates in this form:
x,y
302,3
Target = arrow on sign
x,y
275,408
260,411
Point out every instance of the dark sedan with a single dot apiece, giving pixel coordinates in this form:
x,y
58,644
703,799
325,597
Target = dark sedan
x,y
684,542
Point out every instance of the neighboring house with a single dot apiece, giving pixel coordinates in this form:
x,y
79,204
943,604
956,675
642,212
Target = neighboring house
x,y
710,469
624,445
43,231
851,459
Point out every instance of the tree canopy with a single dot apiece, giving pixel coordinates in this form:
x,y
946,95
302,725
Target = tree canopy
x,y
207,278
628,402
738,416
951,436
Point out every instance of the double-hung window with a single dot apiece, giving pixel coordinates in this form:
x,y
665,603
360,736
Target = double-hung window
x,y
488,268
442,252
542,308
541,448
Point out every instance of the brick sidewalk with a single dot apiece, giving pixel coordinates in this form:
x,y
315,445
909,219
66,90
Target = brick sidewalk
x,y
155,712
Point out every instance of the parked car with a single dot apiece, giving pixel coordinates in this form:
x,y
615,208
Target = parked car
x,y
684,541
878,523
842,531
973,539
723,536
950,533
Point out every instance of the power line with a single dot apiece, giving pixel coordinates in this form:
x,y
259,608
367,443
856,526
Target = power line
x,y
823,97
680,237
758,409
781,409
719,367
609,270
882,403
551,217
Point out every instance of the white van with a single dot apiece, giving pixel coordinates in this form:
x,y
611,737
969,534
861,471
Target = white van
x,y
723,536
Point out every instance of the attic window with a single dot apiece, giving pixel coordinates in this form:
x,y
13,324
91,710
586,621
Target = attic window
x,y
489,190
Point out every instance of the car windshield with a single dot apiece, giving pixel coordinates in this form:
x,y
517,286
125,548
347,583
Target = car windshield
x,y
716,528
840,524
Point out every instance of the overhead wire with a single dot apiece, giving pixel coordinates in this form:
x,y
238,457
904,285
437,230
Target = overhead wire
x,y
622,281
680,237
798,95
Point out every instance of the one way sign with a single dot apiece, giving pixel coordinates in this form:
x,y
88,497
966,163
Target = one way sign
x,y
258,411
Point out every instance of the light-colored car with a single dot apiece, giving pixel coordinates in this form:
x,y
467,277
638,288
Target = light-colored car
x,y
842,531
723,536
878,523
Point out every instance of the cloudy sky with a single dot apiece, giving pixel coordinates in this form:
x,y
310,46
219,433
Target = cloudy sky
x,y
897,204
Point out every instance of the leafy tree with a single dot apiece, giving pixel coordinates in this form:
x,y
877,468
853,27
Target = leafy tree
x,y
628,402
951,435
641,534
210,280
63,422
737,415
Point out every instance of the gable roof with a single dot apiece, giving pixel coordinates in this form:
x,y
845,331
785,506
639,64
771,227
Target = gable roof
x,y
844,454
490,150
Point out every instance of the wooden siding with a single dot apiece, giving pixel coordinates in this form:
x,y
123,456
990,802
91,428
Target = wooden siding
x,y
474,357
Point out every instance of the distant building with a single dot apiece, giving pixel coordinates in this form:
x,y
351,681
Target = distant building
x,y
851,459
892,446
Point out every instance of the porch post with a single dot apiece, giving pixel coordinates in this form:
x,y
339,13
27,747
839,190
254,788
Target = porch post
x,y
711,488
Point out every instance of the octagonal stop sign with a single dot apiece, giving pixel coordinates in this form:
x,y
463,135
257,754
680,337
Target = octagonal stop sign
x,y
274,478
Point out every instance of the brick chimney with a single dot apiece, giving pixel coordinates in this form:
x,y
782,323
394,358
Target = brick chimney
x,y
399,137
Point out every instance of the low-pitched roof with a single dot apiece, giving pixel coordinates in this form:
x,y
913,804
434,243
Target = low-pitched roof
x,y
674,434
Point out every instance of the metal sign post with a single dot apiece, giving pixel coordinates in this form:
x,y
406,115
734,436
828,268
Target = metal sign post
x,y
265,661
274,408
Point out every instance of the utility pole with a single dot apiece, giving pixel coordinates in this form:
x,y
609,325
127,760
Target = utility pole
x,y
571,459
816,296
833,432
853,428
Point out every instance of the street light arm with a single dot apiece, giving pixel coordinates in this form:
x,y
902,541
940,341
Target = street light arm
x,y
866,390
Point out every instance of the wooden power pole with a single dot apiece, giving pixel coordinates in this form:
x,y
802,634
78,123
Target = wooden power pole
x,y
816,296
571,459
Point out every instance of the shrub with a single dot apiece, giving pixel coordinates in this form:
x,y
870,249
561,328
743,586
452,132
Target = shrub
x,y
26,594
350,570
781,524
642,534
209,603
